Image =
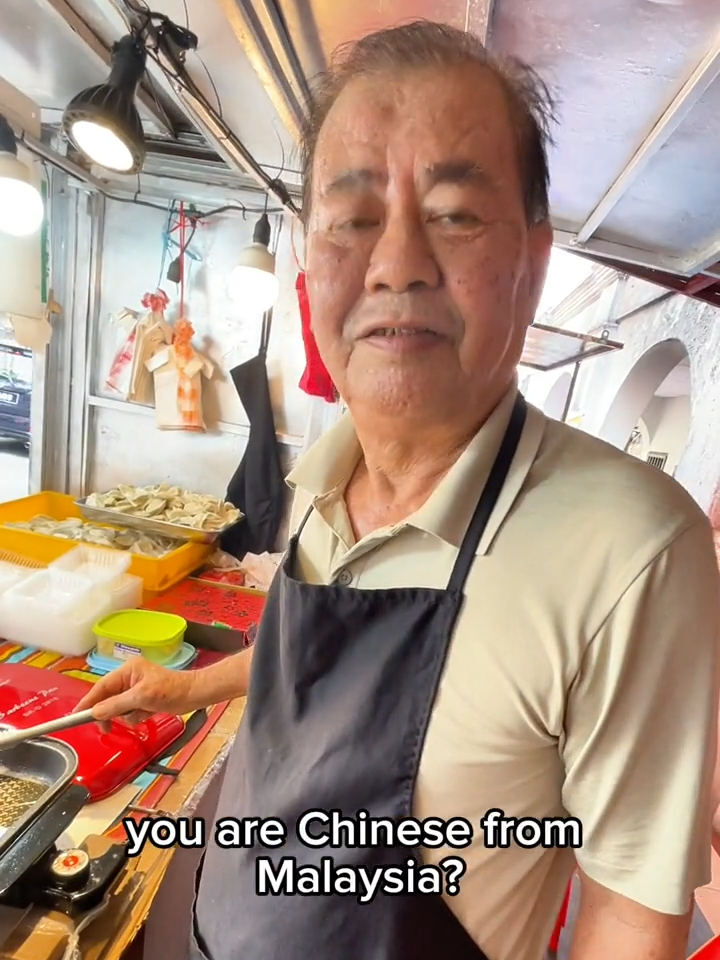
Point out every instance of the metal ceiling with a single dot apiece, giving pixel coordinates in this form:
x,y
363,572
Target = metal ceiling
x,y
635,174
550,348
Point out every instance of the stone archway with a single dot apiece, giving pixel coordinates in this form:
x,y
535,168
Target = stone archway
x,y
639,443
556,399
641,384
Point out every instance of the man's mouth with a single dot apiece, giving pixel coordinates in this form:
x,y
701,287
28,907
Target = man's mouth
x,y
401,332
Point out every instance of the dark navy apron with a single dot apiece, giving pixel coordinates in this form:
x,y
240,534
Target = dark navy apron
x,y
342,688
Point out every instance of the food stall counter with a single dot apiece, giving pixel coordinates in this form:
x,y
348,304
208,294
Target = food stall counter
x,y
46,935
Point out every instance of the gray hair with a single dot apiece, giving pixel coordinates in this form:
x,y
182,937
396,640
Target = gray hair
x,y
423,44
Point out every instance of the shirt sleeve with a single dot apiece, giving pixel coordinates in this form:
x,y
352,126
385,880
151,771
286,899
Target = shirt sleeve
x,y
641,726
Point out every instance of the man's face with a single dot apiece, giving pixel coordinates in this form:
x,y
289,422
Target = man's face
x,y
423,274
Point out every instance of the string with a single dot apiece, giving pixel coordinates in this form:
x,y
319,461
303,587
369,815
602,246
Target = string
x,y
182,258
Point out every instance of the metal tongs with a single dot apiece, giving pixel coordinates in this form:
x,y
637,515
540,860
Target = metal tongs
x,y
9,738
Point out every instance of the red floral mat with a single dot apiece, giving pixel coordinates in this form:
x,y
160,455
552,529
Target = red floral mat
x,y
212,604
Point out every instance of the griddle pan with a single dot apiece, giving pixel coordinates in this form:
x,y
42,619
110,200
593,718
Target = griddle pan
x,y
48,762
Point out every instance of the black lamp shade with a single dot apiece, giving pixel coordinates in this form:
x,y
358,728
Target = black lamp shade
x,y
111,105
174,274
8,143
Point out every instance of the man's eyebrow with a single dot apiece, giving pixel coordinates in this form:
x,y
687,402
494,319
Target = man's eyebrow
x,y
357,179
446,171
457,172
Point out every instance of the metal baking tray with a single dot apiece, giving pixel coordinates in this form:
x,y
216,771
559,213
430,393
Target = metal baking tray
x,y
173,531
50,762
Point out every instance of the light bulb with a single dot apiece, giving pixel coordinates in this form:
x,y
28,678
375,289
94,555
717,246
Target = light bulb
x,y
102,145
21,206
254,289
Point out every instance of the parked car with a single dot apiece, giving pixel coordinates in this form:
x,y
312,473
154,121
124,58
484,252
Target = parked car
x,y
15,394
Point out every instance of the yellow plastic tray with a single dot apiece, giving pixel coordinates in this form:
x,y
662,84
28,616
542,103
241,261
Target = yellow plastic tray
x,y
157,575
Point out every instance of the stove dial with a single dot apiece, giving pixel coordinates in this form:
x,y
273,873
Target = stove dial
x,y
70,869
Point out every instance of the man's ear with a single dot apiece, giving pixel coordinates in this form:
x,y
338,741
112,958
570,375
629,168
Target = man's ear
x,y
540,242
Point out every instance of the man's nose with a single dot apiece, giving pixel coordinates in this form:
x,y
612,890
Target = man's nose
x,y
402,258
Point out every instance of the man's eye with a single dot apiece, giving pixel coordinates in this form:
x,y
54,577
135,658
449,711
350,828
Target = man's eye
x,y
359,223
456,218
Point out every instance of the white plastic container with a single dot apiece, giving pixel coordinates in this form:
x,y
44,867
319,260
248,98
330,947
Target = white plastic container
x,y
53,610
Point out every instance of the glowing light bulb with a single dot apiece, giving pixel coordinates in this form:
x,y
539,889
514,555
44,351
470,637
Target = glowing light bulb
x,y
21,206
253,283
102,145
254,289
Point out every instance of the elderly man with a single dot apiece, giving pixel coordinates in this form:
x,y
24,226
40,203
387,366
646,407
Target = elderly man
x,y
480,609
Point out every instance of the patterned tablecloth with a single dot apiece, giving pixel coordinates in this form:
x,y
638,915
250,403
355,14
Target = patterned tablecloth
x,y
152,787
198,602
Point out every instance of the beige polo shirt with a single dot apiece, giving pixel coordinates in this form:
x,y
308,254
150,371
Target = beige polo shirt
x,y
580,680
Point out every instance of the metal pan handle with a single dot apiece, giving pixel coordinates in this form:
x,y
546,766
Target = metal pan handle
x,y
43,729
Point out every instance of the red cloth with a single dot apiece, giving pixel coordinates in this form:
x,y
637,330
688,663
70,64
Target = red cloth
x,y
315,381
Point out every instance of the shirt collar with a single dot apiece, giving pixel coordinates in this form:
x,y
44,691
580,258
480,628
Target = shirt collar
x,y
326,468
328,465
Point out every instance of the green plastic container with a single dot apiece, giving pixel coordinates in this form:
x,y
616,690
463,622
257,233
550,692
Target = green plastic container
x,y
140,633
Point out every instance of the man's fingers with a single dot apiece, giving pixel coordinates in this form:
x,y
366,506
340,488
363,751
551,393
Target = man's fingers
x,y
135,717
113,707
110,686
130,719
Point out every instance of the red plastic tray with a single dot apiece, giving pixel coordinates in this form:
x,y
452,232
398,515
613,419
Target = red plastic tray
x,y
208,603
106,761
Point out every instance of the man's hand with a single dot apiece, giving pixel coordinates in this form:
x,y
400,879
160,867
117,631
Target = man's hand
x,y
139,689
611,926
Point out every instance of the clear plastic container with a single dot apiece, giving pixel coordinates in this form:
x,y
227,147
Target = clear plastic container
x,y
53,610
107,570
10,575
54,590
127,594
96,563
140,633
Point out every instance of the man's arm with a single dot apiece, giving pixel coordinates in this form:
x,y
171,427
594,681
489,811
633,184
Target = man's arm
x,y
140,688
639,752
612,926
225,680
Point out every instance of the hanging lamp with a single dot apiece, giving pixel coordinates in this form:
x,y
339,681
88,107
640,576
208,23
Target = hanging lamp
x,y
253,283
102,122
21,206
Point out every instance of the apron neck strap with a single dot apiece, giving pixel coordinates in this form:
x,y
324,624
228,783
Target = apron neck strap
x,y
489,496
486,504
304,520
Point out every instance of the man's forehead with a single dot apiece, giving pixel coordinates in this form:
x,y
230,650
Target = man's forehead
x,y
450,118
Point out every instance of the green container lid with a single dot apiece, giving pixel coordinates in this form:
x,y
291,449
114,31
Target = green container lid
x,y
147,628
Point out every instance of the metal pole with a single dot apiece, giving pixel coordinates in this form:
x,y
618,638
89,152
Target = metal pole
x,y
571,391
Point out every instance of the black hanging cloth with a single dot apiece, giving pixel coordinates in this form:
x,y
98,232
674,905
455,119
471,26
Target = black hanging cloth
x,y
258,487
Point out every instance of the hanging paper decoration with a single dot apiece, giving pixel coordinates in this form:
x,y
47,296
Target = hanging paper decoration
x,y
315,381
177,368
129,375
121,370
177,371
154,333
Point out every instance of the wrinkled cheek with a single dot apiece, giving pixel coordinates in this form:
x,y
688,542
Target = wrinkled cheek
x,y
327,311
493,287
335,283
327,270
